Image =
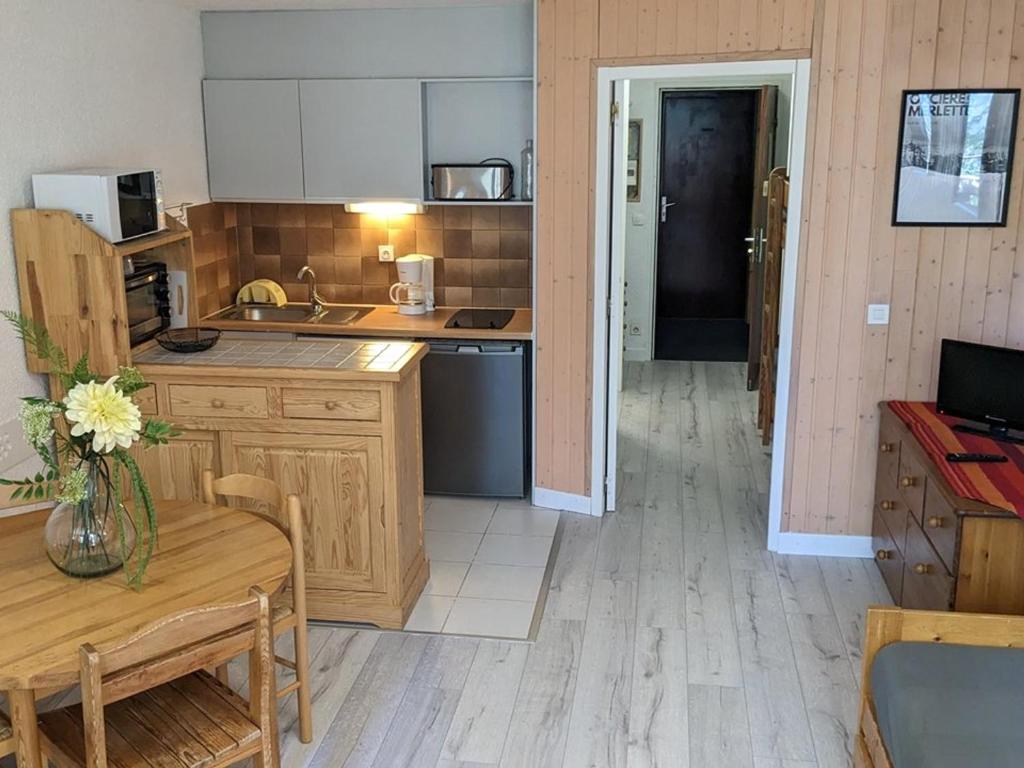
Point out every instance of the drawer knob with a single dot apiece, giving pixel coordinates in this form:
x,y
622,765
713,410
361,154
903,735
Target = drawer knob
x,y
908,482
882,554
922,569
331,405
935,521
217,403
887,505
886,447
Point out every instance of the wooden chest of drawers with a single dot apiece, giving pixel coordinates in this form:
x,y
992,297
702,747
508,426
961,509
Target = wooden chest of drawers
x,y
936,550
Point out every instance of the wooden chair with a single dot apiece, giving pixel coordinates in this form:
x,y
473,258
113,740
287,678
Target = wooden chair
x,y
886,625
148,701
289,613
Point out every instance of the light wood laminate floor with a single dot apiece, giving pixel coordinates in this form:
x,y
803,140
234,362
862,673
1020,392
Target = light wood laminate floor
x,y
670,636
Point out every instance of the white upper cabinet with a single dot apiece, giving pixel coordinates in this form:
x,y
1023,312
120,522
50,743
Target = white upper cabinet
x,y
253,139
362,139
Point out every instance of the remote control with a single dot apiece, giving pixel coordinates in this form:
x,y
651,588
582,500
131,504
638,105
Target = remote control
x,y
980,458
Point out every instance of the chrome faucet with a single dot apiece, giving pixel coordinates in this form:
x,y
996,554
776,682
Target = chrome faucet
x,y
316,301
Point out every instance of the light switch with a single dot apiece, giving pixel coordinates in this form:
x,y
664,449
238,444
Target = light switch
x,y
878,314
639,220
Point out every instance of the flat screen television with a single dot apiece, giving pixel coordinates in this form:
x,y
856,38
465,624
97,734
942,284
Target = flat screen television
x,y
983,384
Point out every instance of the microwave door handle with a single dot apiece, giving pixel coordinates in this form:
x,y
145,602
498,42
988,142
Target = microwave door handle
x,y
181,300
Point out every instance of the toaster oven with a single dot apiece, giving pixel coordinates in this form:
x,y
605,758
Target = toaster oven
x,y
489,180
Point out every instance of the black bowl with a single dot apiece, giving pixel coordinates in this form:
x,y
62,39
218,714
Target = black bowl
x,y
188,339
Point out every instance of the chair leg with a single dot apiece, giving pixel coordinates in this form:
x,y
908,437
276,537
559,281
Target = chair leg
x,y
222,674
302,676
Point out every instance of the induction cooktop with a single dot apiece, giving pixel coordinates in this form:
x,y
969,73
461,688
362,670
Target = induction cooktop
x,y
493,319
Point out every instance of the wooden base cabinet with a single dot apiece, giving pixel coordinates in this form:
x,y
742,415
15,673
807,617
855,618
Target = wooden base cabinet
x,y
936,550
359,476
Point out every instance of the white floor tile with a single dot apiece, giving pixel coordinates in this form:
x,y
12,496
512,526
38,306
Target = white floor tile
x,y
502,549
524,520
490,618
450,546
459,515
445,578
429,613
503,582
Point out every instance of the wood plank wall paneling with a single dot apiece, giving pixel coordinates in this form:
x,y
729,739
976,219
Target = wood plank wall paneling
x,y
966,283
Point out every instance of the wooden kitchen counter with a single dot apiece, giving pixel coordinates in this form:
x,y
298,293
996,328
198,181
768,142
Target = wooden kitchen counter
x,y
384,320
335,421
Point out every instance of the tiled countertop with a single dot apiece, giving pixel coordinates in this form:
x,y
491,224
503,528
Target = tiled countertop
x,y
326,355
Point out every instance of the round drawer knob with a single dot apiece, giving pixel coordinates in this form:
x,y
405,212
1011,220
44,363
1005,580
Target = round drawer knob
x,y
882,554
907,482
217,403
330,405
934,521
887,505
886,447
922,569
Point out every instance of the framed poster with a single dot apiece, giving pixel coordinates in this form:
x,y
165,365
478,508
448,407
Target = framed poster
x,y
633,141
955,157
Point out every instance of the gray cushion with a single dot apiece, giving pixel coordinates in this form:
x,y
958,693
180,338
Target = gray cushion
x,y
950,706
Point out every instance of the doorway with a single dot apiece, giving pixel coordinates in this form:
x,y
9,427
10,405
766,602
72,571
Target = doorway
x,y
720,97
707,156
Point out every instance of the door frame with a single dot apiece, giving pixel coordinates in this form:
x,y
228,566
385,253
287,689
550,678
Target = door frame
x,y
609,249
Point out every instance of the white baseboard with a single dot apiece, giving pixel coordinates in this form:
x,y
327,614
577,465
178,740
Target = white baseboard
x,y
567,502
824,544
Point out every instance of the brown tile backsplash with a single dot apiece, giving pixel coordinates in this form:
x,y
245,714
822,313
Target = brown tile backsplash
x,y
483,253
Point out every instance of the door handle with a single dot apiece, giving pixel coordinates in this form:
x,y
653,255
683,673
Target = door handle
x,y
665,205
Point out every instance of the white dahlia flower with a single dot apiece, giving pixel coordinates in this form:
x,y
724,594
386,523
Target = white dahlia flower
x,y
112,417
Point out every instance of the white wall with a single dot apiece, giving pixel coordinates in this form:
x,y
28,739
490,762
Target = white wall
x,y
642,216
92,82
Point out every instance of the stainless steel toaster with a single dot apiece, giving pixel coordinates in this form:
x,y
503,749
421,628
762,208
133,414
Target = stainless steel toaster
x,y
489,180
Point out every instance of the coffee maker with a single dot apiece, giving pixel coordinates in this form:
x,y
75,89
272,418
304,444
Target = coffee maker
x,y
414,291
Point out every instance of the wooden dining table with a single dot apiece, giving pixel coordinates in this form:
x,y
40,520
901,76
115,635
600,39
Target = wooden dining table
x,y
205,555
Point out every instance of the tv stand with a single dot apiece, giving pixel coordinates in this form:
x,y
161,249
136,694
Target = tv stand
x,y
999,434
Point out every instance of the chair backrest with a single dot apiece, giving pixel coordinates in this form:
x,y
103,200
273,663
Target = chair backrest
x,y
6,737
174,647
285,512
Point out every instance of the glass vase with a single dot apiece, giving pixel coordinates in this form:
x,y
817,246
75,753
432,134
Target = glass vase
x,y
84,539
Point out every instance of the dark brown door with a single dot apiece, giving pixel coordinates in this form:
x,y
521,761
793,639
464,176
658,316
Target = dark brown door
x,y
707,172
764,161
775,242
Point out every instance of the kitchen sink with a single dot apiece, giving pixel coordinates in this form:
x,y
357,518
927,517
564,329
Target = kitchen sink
x,y
341,315
290,313
293,313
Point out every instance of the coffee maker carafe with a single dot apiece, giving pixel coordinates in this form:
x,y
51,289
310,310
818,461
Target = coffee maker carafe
x,y
414,291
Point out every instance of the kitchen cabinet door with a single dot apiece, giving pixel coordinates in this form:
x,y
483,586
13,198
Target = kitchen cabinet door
x,y
253,139
362,139
173,471
340,480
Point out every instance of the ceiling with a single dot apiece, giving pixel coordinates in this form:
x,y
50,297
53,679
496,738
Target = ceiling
x,y
293,5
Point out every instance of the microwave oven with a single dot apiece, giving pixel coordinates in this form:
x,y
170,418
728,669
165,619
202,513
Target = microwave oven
x,y
117,204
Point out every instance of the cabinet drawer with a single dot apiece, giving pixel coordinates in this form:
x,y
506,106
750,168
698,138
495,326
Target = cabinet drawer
x,y
218,402
912,481
940,524
888,450
888,556
344,404
926,582
890,506
146,400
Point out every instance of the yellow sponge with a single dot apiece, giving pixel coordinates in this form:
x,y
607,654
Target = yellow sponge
x,y
262,292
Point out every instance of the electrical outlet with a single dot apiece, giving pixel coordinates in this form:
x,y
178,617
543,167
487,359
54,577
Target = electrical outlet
x,y
385,253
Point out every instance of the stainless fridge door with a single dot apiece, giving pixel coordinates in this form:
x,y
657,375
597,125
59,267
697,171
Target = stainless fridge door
x,y
474,419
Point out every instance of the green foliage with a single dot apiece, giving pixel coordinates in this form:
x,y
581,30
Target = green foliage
x,y
144,518
80,373
39,341
129,380
155,432
39,487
